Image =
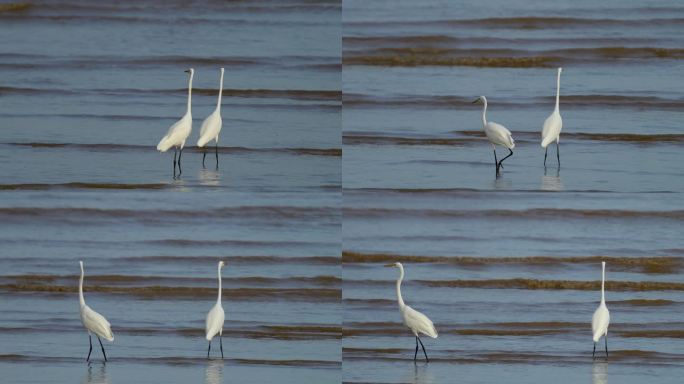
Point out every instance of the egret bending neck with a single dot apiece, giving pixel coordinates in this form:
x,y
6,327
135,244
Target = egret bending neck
x,y
80,288
484,113
401,277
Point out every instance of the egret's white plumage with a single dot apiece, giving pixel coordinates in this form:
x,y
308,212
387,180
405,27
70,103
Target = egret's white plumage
x,y
417,322
211,126
497,134
601,318
216,316
178,133
553,124
93,321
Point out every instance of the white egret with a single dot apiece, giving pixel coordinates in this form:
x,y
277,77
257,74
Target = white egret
x,y
497,134
601,318
553,125
179,131
414,320
216,316
211,126
93,321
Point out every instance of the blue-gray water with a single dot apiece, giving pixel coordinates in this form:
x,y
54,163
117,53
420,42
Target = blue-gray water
x,y
508,268
87,89
349,141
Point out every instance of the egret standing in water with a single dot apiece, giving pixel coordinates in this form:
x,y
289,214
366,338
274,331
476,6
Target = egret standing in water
x,y
216,316
553,125
601,319
414,320
497,134
211,126
93,321
179,131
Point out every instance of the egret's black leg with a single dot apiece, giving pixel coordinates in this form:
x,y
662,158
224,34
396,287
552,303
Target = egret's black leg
x,y
502,160
216,148
103,352
180,154
174,162
606,338
496,165
424,353
416,353
209,349
90,341
558,153
546,152
221,341
204,156
594,352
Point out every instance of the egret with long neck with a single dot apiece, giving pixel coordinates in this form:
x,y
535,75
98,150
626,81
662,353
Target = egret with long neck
x,y
178,133
211,126
601,318
216,317
93,321
497,134
553,125
414,320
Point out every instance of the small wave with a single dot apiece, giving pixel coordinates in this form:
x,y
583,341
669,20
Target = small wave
x,y
40,187
160,292
535,284
534,213
393,140
651,265
14,7
675,334
242,260
106,147
527,22
416,60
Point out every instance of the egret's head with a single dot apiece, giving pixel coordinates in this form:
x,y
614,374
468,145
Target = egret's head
x,y
221,264
480,99
191,71
397,265
222,70
560,69
81,262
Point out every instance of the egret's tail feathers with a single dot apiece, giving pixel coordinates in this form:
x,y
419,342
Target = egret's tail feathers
x,y
432,332
547,140
597,336
512,146
203,141
164,144
109,336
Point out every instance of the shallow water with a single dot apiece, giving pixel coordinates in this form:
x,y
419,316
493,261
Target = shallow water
x,y
508,268
87,91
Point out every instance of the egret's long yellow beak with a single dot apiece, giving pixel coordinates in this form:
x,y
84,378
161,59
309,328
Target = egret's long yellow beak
x,y
476,100
390,265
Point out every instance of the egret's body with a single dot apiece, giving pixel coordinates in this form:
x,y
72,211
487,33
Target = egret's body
x,y
211,126
553,125
178,133
417,322
93,321
601,318
497,134
216,317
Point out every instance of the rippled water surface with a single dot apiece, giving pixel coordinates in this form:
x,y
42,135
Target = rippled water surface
x,y
508,268
87,89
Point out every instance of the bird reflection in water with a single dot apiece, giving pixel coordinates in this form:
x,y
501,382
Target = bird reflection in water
x,y
213,373
551,181
421,375
97,373
208,177
599,372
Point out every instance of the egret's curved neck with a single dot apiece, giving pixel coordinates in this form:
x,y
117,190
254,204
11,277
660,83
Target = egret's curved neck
x,y
603,280
80,288
401,277
484,113
557,90
219,289
190,91
218,104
